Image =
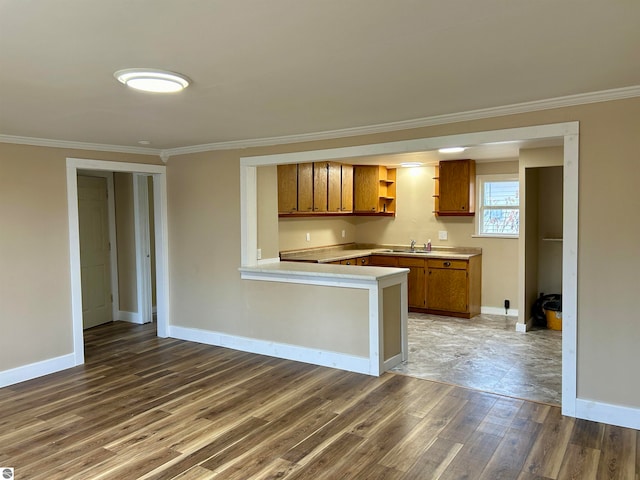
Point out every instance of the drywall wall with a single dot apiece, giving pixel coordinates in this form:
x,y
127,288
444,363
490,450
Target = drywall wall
x,y
292,232
35,292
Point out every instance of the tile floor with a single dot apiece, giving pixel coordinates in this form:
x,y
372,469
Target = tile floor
x,y
486,353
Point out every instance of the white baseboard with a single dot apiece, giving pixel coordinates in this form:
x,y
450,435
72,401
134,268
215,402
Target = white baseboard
x,y
38,369
607,413
392,362
512,312
323,358
131,317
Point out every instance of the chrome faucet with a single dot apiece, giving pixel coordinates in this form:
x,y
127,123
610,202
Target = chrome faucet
x,y
413,245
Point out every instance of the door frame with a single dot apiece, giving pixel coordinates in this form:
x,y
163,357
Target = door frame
x,y
161,237
142,247
568,132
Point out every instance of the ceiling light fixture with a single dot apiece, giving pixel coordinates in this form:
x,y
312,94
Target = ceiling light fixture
x,y
452,150
411,164
149,80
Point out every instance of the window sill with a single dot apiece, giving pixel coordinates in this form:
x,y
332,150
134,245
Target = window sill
x,y
496,236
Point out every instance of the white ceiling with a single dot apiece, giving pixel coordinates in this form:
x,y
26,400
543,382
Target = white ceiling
x,y
264,69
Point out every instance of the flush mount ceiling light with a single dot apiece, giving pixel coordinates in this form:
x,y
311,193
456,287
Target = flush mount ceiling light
x,y
411,164
452,150
149,80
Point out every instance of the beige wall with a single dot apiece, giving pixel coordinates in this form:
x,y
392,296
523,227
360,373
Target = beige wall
x,y
35,291
204,242
323,231
126,242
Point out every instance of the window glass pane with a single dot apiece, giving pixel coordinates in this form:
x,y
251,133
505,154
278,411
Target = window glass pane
x,y
500,221
501,194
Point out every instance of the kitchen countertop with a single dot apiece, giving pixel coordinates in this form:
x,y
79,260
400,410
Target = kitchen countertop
x,y
312,269
348,251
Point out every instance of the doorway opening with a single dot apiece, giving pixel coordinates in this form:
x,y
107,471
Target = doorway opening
x,y
142,173
117,247
567,133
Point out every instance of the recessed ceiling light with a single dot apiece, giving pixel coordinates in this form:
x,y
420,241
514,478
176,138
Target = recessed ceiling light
x,y
149,80
452,150
411,164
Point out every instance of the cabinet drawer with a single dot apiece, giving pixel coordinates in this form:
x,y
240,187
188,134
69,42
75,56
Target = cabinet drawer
x,y
444,263
410,262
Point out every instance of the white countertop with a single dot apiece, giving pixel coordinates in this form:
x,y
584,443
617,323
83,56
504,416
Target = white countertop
x,y
323,270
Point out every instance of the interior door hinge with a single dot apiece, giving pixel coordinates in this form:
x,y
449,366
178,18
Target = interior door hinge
x,y
111,297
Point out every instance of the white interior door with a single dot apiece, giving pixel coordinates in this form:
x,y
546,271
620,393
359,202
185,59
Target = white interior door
x,y
143,246
95,266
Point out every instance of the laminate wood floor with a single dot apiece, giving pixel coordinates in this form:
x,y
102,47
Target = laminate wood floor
x,y
148,408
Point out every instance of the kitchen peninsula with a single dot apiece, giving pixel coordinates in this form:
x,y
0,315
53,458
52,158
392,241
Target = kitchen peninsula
x,y
443,281
332,315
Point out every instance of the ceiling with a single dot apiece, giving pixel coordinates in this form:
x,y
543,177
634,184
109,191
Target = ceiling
x,y
287,68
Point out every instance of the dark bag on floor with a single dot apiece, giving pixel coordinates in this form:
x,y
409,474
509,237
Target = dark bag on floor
x,y
537,310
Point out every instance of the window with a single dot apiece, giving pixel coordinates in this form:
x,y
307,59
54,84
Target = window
x,y
499,206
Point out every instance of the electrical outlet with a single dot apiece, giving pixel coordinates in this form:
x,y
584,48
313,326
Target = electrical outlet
x,y
443,235
308,237
259,254
344,233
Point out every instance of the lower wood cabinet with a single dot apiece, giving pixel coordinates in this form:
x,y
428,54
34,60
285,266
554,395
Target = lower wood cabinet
x,y
454,286
417,287
439,286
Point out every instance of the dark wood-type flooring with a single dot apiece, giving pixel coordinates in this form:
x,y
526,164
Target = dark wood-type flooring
x,y
145,407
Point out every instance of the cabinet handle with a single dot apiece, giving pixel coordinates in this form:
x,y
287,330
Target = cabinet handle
x,y
447,264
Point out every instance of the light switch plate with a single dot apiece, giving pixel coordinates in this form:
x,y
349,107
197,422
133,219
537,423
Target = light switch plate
x,y
259,255
443,235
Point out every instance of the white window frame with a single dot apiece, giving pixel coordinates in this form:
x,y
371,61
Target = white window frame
x,y
480,181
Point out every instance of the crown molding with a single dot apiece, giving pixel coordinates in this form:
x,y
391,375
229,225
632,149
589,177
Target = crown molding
x,y
100,147
525,107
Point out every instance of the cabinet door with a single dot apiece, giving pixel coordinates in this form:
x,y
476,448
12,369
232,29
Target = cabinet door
x,y
334,187
366,188
447,290
287,188
416,281
346,204
457,186
305,187
320,186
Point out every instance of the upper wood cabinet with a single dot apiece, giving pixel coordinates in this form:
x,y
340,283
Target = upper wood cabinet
x,y
287,188
315,188
346,202
455,188
374,189
305,187
320,187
